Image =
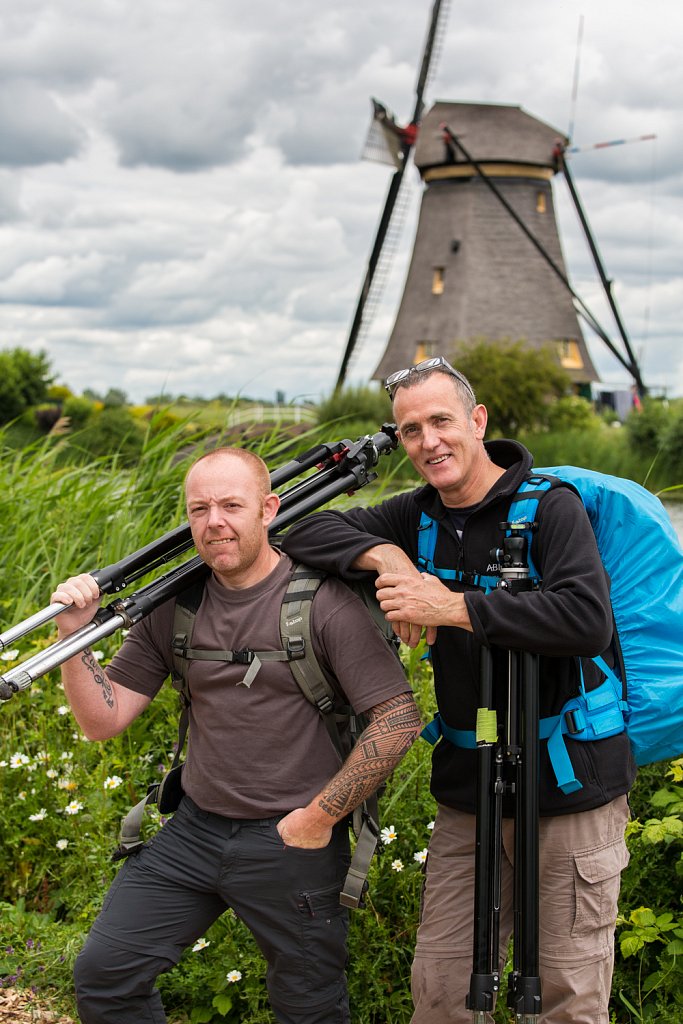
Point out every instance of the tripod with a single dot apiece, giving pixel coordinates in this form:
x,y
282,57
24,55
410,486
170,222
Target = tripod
x,y
518,748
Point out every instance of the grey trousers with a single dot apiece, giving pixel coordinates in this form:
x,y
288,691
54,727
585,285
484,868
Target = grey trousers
x,y
581,859
199,864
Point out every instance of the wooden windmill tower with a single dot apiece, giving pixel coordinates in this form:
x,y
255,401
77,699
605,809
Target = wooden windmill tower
x,y
487,261
474,274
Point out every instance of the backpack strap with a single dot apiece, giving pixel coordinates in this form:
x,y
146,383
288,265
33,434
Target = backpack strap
x,y
295,629
427,532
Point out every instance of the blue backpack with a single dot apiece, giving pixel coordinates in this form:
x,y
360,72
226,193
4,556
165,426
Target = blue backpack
x,y
642,555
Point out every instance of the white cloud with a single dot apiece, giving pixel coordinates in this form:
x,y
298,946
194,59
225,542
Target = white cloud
x,y
182,205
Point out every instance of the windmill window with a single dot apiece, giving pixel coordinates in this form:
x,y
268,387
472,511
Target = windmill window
x,y
540,202
570,355
437,281
424,350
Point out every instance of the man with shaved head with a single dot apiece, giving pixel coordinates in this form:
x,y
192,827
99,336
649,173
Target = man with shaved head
x,y
261,826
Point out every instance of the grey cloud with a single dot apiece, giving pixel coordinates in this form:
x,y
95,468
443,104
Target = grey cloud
x,y
33,128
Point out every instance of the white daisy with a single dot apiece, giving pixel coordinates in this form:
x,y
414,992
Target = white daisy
x,y
388,834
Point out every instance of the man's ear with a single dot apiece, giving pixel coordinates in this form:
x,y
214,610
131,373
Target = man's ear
x,y
480,418
271,505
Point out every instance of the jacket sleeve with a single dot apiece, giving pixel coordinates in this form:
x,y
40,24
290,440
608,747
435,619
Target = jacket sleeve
x,y
333,540
570,614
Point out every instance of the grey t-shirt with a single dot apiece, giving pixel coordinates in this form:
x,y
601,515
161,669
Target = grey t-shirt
x,y
261,750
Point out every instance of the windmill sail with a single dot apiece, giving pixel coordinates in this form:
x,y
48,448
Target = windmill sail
x,y
399,155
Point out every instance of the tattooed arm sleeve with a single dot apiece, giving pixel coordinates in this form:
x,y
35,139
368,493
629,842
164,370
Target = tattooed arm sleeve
x,y
394,726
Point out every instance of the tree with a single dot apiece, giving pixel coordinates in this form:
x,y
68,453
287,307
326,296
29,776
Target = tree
x,y
24,381
515,382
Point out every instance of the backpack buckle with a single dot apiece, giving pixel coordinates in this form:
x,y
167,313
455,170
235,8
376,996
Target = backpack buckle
x,y
179,644
245,656
296,648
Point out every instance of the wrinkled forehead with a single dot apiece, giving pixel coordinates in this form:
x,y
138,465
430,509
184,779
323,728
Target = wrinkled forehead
x,y
426,399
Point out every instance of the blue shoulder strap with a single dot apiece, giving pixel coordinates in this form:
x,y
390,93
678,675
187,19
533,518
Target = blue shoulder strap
x,y
427,532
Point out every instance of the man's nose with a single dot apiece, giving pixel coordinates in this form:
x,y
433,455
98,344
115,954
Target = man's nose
x,y
430,437
215,515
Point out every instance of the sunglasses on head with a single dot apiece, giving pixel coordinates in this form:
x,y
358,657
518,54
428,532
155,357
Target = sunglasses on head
x,y
435,363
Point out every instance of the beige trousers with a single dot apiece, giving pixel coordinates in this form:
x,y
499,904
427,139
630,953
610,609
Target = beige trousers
x,y
581,859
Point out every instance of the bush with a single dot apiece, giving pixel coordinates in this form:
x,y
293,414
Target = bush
x,y
78,410
367,408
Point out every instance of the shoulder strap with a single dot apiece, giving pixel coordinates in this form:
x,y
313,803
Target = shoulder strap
x,y
427,533
295,631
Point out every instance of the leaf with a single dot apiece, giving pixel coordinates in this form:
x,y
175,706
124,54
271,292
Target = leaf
x,y
201,1015
630,944
642,917
675,947
223,1003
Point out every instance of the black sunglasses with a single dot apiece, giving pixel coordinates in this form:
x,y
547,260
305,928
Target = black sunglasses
x,y
435,363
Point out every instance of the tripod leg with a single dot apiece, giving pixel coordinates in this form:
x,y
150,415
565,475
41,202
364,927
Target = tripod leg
x,y
524,992
485,977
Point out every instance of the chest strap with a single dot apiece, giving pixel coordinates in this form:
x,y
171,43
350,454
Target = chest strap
x,y
427,533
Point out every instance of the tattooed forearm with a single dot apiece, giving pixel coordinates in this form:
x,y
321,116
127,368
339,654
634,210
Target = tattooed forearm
x,y
394,726
90,662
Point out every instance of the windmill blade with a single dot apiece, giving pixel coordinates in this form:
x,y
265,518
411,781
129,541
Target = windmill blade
x,y
613,142
407,137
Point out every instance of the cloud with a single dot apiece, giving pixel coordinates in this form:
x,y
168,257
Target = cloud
x,y
33,128
182,203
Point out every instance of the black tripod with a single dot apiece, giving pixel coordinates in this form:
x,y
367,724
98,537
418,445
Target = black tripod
x,y
518,749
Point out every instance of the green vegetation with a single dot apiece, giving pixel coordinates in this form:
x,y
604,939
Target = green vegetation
x,y
61,798
87,479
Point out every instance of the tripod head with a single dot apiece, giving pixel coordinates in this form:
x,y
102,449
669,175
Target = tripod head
x,y
514,569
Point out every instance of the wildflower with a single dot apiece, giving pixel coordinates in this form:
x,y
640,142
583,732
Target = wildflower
x,y
431,825
17,760
63,709
397,865
420,856
9,655
112,781
98,655
65,783
3,764
74,807
43,755
388,834
39,816
21,795
233,976
66,755
200,944
51,773
62,844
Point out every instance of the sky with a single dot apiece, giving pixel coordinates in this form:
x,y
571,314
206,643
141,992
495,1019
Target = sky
x,y
183,207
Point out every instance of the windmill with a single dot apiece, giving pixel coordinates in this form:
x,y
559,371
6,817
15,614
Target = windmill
x,y
487,261
389,143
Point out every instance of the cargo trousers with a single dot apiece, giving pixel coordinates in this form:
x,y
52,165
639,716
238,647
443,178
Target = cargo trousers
x,y
581,859
196,867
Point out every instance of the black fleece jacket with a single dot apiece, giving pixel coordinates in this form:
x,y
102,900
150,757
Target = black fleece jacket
x,y
568,617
